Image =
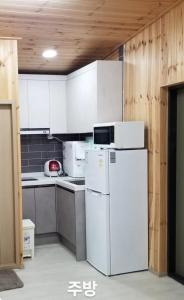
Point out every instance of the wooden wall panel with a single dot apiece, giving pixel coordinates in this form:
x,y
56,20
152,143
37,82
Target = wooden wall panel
x,y
9,91
173,46
153,61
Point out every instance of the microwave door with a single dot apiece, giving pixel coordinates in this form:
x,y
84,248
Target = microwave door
x,y
104,135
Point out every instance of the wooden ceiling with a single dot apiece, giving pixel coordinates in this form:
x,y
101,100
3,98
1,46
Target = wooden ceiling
x,y
81,30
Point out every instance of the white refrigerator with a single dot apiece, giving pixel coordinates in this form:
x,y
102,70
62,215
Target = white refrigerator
x,y
117,210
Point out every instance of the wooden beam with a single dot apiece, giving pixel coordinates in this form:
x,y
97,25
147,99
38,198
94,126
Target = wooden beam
x,y
11,199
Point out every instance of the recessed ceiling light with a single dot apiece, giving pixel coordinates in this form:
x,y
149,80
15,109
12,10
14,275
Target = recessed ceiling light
x,y
49,53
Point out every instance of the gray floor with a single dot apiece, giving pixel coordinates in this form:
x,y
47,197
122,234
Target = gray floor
x,y
47,277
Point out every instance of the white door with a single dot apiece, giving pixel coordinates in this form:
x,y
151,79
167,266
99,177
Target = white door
x,y
58,106
39,108
97,231
24,109
128,211
97,171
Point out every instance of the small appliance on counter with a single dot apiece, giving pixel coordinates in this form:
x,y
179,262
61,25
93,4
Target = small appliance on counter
x,y
52,168
74,158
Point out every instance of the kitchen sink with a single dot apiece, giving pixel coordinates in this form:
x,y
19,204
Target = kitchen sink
x,y
29,179
78,182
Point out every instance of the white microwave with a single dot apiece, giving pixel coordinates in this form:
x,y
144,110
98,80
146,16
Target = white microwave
x,y
119,135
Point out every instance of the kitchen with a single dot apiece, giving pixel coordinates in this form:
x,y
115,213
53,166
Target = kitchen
x,y
59,105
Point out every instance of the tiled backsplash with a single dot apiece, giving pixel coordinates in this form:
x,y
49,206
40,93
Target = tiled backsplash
x,y
37,149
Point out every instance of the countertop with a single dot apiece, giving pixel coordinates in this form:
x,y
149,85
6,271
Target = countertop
x,y
44,180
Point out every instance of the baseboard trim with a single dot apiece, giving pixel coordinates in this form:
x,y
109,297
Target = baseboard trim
x,y
47,238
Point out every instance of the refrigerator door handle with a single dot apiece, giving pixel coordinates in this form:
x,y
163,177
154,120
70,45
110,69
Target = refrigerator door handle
x,y
94,192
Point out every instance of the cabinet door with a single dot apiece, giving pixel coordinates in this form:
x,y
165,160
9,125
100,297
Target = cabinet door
x,y
28,203
39,104
57,106
45,210
110,91
82,101
24,109
66,214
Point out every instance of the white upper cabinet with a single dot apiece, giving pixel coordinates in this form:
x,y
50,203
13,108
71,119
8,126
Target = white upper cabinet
x,y
58,123
109,91
39,104
81,101
73,103
24,111
43,102
94,95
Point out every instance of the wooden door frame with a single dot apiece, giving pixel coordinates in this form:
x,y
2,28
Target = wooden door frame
x,y
18,229
163,234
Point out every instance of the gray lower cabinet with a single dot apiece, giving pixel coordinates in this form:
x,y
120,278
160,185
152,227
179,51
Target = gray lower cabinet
x,y
28,203
70,207
45,210
39,205
54,209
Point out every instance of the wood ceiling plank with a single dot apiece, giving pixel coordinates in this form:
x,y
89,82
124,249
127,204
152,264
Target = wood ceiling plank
x,y
81,30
